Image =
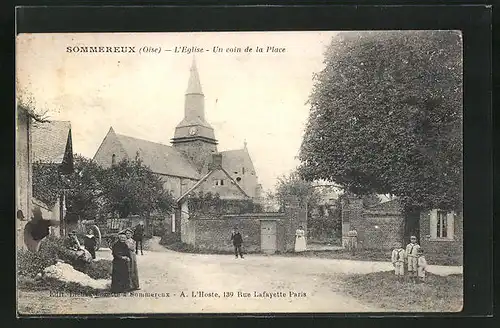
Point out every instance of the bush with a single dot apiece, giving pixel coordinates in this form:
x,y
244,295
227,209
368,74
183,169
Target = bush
x,y
51,249
100,269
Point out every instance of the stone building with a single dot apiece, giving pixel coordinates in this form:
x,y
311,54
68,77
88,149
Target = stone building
x,y
183,164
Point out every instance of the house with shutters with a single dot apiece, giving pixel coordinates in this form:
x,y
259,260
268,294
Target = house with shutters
x,y
382,226
186,163
441,231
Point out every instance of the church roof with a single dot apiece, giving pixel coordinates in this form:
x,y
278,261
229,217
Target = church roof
x,y
235,160
49,141
160,158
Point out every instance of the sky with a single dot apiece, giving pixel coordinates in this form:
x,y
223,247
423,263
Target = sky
x,y
252,96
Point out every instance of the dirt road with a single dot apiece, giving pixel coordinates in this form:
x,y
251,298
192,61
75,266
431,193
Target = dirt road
x,y
194,283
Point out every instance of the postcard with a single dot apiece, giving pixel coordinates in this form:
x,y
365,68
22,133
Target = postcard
x,y
239,172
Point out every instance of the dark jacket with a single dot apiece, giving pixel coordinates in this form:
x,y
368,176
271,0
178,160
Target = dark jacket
x,y
138,233
236,238
89,242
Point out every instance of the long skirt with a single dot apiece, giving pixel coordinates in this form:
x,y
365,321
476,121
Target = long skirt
x,y
300,244
133,272
120,277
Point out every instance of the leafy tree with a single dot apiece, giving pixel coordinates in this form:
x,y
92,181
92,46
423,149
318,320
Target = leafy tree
x,y
129,187
386,117
81,187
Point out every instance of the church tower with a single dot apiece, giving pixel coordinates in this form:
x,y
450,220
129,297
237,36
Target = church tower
x,y
193,135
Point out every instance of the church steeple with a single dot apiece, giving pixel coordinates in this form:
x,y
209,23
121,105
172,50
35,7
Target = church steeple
x,y
194,85
194,135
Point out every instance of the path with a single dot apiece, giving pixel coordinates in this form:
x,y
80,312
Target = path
x,y
306,284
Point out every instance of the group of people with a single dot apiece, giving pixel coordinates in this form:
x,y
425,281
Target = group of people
x,y
413,257
125,275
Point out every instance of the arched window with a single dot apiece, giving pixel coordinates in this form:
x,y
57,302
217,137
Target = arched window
x,y
113,159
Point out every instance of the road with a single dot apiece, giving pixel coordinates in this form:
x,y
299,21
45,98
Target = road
x,y
298,284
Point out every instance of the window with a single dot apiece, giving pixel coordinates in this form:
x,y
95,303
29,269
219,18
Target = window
x,y
219,182
441,228
243,170
113,159
238,179
222,182
441,225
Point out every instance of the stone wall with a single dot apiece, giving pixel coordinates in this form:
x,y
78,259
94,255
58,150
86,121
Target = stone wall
x,y
213,232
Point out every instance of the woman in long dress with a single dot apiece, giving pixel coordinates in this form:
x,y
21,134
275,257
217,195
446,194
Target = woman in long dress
x,y
134,273
300,240
120,277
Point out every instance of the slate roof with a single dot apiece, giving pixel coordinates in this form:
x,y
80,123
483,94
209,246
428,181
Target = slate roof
x,y
160,158
49,141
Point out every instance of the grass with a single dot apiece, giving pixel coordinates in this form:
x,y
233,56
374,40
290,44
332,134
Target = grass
x,y
378,256
437,294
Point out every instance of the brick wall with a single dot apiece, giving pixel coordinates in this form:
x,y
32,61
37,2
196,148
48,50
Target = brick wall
x,y
216,233
452,247
379,230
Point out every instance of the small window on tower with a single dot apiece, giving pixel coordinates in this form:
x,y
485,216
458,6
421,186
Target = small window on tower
x,y
222,182
113,159
243,170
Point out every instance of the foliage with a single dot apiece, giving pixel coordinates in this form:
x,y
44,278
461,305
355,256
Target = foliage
x,y
81,187
91,191
386,117
212,204
132,188
293,185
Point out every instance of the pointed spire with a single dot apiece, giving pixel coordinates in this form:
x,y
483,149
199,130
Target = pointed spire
x,y
194,85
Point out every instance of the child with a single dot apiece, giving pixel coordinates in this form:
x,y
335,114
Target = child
x,y
411,256
422,265
398,261
90,243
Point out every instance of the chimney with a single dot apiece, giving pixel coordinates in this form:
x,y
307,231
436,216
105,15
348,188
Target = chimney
x,y
216,161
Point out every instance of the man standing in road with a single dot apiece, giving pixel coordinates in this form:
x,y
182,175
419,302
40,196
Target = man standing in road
x,y
138,236
237,241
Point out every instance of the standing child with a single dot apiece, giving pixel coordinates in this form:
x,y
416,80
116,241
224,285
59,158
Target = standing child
x,y
398,261
412,257
422,265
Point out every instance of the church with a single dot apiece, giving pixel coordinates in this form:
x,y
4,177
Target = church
x,y
186,166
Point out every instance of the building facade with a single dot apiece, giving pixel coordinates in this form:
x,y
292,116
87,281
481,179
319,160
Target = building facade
x,y
185,162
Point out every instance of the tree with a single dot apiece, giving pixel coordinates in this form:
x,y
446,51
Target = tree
x,y
129,187
81,187
293,185
386,117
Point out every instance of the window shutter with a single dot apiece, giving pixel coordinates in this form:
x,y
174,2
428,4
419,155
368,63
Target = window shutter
x,y
433,223
450,217
173,222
